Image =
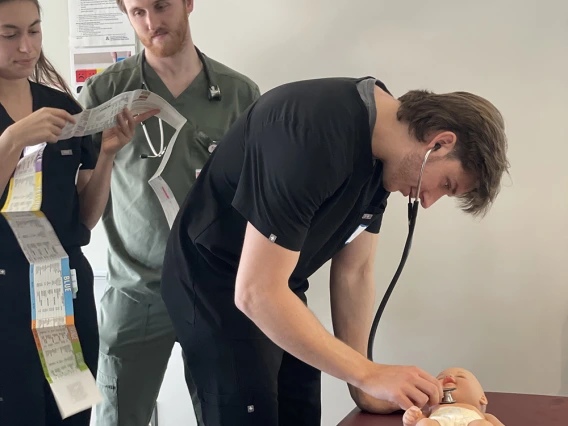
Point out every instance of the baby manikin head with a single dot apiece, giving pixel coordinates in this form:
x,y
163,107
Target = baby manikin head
x,y
468,390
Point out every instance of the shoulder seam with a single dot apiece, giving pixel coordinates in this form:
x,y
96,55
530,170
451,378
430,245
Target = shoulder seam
x,y
244,80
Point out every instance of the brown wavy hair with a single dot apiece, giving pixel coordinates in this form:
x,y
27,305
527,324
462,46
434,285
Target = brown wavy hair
x,y
44,71
120,4
481,144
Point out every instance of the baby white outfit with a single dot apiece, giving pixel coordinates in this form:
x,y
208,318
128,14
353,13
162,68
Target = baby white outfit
x,y
455,416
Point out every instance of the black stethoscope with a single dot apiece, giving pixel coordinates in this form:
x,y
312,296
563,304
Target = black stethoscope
x,y
213,94
412,215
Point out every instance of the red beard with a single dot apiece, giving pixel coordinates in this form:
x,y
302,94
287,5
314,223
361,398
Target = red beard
x,y
173,42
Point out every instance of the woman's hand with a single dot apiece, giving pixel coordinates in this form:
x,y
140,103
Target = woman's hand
x,y
43,125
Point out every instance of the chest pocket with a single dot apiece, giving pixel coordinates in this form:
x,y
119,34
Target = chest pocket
x,y
365,221
62,161
206,141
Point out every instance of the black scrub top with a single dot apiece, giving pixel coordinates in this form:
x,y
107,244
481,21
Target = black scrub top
x,y
298,166
61,162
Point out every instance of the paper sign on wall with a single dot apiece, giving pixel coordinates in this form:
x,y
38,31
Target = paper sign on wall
x,y
98,23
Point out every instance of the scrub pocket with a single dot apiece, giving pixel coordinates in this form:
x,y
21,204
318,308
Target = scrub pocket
x,y
107,381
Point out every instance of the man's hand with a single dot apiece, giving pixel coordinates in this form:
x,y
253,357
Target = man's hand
x,y
412,416
402,385
114,139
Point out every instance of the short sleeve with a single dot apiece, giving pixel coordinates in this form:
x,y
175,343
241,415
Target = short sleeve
x,y
375,225
287,174
88,153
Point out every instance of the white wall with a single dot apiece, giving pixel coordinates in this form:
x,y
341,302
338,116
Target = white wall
x,y
487,295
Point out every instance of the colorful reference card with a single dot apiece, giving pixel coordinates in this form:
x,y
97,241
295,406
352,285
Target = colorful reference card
x,y
51,290
52,282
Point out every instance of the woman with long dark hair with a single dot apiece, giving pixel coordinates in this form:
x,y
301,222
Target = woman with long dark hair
x,y
35,105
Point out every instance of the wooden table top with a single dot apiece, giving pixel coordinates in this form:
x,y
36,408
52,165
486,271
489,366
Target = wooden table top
x,y
510,408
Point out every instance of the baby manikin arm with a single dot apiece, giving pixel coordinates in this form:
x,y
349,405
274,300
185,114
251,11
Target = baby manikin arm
x,y
412,416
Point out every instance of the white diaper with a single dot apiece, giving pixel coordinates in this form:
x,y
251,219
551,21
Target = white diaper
x,y
455,416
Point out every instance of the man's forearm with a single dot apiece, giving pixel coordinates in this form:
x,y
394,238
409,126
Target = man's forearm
x,y
94,197
352,302
282,316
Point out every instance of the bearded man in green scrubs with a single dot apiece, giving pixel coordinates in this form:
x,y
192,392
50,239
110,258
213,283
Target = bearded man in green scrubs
x,y
136,334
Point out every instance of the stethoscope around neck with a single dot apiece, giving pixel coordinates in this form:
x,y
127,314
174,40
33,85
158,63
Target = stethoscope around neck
x,y
412,216
213,94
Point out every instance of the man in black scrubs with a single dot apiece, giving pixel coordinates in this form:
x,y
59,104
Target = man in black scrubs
x,y
294,183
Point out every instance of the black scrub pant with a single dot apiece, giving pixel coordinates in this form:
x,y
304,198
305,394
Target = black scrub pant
x,y
235,374
25,396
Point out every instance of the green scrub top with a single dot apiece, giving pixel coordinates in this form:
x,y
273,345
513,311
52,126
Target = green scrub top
x,y
134,221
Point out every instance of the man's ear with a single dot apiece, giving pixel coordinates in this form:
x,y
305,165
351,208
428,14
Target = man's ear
x,y
189,6
446,140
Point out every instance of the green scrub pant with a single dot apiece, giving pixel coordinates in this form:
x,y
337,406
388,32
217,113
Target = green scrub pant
x,y
136,341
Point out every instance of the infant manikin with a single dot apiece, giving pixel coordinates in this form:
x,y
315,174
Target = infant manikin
x,y
467,409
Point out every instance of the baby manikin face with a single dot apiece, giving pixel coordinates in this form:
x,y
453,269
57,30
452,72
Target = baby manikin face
x,y
468,390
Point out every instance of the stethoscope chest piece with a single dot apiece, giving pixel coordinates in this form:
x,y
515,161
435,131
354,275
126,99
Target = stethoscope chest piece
x,y
448,399
214,93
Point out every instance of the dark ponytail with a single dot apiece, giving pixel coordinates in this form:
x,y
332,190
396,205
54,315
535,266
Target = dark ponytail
x,y
45,73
